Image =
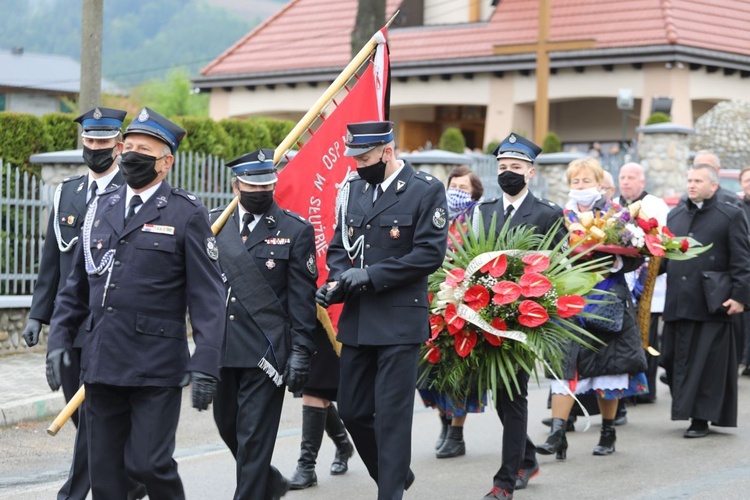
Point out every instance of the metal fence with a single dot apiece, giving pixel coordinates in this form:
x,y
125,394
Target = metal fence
x,y
24,215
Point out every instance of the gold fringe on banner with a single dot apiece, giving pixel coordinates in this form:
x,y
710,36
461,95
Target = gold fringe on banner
x,y
644,304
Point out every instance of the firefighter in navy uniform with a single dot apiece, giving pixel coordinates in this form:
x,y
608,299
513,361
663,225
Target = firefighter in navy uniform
x,y
101,133
268,258
147,255
391,235
518,207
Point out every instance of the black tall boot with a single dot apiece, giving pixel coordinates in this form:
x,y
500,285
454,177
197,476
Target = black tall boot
x,y
445,424
454,445
607,439
344,449
556,441
313,424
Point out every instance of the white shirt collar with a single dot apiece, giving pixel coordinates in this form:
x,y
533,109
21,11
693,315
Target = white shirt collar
x,y
387,182
516,203
241,214
145,195
102,182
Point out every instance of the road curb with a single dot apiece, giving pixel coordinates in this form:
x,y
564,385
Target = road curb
x,y
35,408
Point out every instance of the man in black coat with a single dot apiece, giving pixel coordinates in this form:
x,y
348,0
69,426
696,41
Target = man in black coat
x,y
698,346
517,207
147,255
101,133
390,236
268,258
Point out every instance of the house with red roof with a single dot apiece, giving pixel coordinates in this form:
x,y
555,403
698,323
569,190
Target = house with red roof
x,y
472,64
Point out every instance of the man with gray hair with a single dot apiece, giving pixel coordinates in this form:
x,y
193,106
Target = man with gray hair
x,y
707,157
703,294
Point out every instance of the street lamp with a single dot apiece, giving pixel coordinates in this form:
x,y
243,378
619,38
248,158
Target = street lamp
x,y
625,103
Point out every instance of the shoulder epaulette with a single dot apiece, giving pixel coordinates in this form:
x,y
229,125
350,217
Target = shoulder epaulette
x,y
428,178
548,203
353,176
295,216
187,195
217,209
109,190
73,178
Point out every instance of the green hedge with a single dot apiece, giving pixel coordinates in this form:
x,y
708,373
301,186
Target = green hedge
x,y
203,136
22,135
278,130
453,140
246,135
62,130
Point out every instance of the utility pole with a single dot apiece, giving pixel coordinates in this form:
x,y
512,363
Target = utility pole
x,y
370,18
91,56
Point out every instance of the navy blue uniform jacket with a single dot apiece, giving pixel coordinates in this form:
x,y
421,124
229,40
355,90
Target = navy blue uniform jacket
x,y
137,335
405,241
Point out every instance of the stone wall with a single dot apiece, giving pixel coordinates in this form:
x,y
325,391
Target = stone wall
x,y
12,322
552,168
664,152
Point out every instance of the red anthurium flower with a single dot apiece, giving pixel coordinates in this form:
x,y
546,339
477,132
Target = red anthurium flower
x,y
433,354
437,323
430,296
643,224
477,297
534,284
505,292
493,339
499,324
536,263
653,223
570,305
452,320
654,245
454,277
684,246
496,267
465,342
666,232
532,314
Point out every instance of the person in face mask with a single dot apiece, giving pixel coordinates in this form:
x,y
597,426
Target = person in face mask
x,y
147,255
391,235
517,206
268,258
585,177
101,135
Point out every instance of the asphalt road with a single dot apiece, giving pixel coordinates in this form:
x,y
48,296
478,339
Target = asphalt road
x,y
652,461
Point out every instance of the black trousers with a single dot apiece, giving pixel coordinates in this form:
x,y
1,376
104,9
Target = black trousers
x,y
131,432
376,403
247,411
518,449
77,485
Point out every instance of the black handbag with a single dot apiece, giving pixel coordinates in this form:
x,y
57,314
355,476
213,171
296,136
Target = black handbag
x,y
717,288
611,315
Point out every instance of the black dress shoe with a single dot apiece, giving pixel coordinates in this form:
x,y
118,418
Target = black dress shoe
x,y
497,493
570,426
664,379
410,477
524,474
746,371
697,429
137,491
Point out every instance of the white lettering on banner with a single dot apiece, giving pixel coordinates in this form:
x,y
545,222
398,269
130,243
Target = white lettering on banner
x,y
319,181
313,216
332,156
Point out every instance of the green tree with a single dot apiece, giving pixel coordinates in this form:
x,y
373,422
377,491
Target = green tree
x,y
245,136
172,96
62,130
551,143
658,117
453,140
203,136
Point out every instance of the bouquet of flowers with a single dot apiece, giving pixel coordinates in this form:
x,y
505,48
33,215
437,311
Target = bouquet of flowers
x,y
628,231
500,303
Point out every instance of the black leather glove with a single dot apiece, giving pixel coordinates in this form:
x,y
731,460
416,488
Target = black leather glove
x,y
354,280
327,295
56,358
31,332
297,369
204,390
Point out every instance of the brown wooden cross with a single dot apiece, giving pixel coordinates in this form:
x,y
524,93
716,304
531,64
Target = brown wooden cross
x,y
543,47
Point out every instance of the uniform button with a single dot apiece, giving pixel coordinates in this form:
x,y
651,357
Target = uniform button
x,y
416,301
368,226
112,286
122,242
351,221
233,299
395,221
117,263
156,243
690,234
366,266
231,317
385,286
684,278
367,246
161,330
271,253
110,309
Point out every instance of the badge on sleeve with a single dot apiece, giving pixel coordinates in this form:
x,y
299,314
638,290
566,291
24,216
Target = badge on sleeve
x,y
311,264
439,218
211,249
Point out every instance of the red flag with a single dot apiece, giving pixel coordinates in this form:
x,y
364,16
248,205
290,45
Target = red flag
x,y
308,185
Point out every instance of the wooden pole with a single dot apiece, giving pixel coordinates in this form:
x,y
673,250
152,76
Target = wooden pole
x,y
282,148
541,108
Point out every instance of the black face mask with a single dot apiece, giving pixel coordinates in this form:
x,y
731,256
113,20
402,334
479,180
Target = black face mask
x,y
256,202
511,182
98,160
373,174
138,169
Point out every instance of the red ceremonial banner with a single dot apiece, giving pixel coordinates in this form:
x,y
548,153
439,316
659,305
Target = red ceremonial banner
x,y
308,185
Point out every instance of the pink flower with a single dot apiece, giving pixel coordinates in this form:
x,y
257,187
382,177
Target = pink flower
x,y
454,277
536,263
496,267
452,320
477,297
534,285
505,292
570,305
532,314
465,342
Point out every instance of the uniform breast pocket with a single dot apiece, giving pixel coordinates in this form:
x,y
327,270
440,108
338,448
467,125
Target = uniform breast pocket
x,y
153,255
272,260
396,230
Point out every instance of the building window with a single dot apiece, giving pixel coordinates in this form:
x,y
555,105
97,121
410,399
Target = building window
x,y
2,102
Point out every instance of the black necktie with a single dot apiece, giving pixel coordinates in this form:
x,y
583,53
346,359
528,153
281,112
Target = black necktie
x,y
92,192
135,201
246,225
508,212
378,194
